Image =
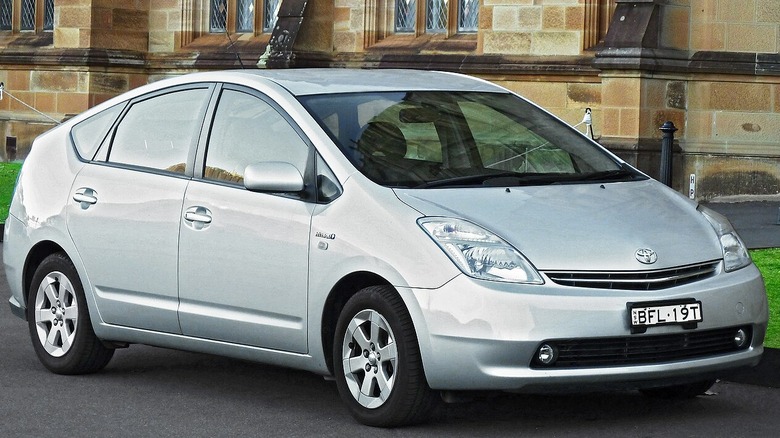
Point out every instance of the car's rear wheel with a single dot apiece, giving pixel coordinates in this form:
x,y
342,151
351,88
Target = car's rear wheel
x,y
59,322
689,390
379,372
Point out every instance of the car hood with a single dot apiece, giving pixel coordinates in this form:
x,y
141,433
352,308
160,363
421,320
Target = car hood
x,y
582,227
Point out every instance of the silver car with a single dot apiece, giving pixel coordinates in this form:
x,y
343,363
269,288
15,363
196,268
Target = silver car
x,y
413,234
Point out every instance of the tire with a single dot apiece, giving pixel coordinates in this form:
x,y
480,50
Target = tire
x,y
680,392
59,322
376,359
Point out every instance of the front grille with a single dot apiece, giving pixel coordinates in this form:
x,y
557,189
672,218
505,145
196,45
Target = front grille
x,y
635,280
644,350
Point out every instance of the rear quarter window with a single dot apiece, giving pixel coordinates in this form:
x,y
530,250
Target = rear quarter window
x,y
88,134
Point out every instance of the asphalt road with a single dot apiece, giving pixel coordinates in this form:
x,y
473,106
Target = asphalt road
x,y
153,392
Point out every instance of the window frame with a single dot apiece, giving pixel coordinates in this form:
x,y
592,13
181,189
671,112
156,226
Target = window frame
x,y
103,154
231,19
452,27
310,192
40,8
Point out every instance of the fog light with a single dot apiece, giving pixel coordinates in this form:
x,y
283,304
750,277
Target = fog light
x,y
547,354
740,338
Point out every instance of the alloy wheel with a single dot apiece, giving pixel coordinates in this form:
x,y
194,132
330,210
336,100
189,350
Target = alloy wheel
x,y
56,314
370,358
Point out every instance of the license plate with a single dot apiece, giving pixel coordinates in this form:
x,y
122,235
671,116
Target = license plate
x,y
643,315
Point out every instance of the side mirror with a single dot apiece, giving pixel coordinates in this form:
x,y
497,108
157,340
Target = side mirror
x,y
273,176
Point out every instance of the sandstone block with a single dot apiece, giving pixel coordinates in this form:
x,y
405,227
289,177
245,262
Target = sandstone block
x,y
55,81
554,18
556,43
507,43
736,96
751,38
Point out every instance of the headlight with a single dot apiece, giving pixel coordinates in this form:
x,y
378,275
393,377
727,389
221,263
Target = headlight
x,y
735,254
480,253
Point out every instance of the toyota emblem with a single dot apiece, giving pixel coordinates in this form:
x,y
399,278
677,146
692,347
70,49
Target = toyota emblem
x,y
646,256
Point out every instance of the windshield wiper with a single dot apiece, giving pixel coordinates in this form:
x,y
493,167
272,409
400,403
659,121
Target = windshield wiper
x,y
495,180
609,175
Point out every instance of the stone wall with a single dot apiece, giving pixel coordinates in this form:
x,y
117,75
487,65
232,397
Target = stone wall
x,y
710,66
527,27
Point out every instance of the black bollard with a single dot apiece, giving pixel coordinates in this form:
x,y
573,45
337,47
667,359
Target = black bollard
x,y
666,152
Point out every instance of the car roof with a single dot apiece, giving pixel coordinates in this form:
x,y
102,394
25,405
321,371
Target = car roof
x,y
309,81
314,81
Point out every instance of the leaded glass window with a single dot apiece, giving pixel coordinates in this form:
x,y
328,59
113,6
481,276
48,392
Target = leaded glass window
x,y
5,14
245,16
405,15
48,15
28,15
468,15
271,11
218,19
436,16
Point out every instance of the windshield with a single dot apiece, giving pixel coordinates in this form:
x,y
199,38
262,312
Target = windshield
x,y
426,139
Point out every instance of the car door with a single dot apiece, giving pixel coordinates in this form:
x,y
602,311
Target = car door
x,y
243,258
125,207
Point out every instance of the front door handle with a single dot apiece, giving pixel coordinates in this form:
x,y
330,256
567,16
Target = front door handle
x,y
86,197
197,218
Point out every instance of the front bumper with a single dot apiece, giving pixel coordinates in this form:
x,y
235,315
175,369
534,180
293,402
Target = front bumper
x,y
478,335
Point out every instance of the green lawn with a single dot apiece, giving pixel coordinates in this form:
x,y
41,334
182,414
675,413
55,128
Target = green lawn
x,y
768,262
8,173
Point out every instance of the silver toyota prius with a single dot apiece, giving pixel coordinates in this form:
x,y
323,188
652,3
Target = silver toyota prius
x,y
412,234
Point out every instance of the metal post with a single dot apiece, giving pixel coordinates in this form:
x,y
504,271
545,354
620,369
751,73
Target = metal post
x,y
666,152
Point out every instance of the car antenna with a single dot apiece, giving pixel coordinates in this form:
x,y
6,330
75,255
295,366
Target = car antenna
x,y
232,44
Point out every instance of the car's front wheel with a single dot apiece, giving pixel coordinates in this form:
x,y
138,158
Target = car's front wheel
x,y
59,322
379,372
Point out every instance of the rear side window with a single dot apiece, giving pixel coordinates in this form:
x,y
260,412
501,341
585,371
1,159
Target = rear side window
x,y
158,133
88,135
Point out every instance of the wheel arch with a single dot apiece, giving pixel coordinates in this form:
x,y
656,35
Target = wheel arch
x,y
341,292
35,257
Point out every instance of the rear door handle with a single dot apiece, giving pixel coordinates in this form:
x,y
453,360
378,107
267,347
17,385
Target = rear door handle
x,y
86,197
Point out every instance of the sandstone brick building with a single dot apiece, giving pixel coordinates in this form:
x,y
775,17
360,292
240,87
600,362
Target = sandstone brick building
x,y
710,66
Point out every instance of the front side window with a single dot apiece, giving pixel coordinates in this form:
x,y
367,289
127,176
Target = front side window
x,y
426,139
158,133
247,130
